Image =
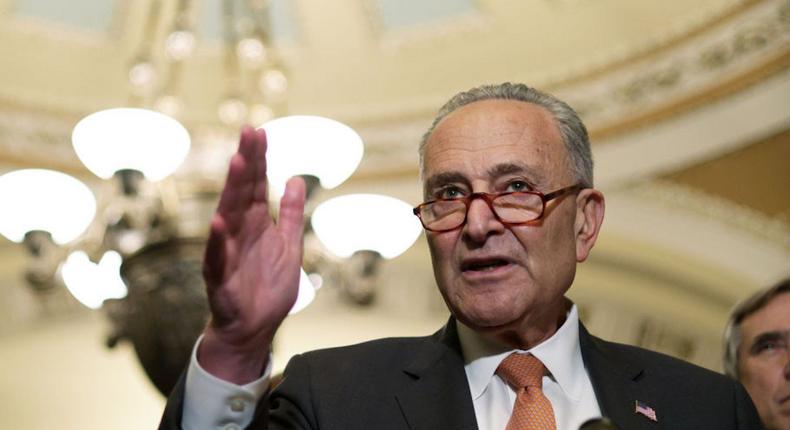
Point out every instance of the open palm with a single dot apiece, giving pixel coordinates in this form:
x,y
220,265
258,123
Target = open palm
x,y
251,266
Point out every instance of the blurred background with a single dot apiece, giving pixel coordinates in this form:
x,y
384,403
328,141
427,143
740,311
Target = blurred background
x,y
688,105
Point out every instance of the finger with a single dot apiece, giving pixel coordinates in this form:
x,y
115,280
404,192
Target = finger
x,y
291,220
214,258
260,192
230,198
237,193
248,144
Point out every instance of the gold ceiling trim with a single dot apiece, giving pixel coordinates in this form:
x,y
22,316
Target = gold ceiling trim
x,y
606,90
729,88
585,75
658,49
678,107
38,139
736,74
37,151
713,67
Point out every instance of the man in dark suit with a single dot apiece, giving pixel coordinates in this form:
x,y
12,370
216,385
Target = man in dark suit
x,y
509,211
757,352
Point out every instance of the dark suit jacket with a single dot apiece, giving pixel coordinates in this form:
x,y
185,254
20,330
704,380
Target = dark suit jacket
x,y
420,383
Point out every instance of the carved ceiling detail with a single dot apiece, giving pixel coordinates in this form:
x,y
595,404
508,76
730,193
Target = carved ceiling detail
x,y
754,41
757,38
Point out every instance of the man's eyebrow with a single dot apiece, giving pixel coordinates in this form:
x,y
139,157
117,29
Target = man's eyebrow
x,y
534,178
496,171
444,178
503,169
769,336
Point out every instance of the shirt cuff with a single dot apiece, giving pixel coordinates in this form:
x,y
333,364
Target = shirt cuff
x,y
212,403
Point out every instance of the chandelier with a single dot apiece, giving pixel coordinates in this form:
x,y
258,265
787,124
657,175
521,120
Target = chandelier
x,y
132,243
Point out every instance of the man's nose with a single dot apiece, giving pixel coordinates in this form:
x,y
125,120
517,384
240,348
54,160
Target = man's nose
x,y
481,221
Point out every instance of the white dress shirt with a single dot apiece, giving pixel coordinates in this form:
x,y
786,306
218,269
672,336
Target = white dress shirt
x,y
211,403
567,385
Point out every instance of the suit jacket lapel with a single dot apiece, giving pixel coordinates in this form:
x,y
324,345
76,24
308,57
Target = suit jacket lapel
x,y
617,384
437,395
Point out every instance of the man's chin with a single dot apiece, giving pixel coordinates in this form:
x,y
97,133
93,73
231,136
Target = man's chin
x,y
483,322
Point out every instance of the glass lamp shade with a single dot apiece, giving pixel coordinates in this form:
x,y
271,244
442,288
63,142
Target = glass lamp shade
x,y
128,138
357,222
310,145
37,199
90,283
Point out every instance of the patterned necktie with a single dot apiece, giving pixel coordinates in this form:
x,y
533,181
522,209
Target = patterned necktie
x,y
532,410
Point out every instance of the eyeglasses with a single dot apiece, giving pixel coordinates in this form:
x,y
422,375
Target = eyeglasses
x,y
511,208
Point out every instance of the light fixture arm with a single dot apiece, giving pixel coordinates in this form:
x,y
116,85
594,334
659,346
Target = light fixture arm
x,y
41,269
361,277
130,180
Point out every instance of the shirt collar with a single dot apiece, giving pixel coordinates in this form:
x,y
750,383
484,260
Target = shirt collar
x,y
560,354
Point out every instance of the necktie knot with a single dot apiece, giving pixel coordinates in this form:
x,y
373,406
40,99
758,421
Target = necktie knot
x,y
522,370
532,410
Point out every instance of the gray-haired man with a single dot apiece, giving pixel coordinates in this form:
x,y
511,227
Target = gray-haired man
x,y
510,209
757,352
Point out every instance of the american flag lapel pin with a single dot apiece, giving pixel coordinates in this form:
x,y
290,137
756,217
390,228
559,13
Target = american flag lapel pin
x,y
643,409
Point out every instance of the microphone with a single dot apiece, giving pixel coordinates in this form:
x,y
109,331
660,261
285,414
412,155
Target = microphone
x,y
602,423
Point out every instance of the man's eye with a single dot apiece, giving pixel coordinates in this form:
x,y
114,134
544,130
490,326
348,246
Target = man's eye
x,y
770,346
519,186
766,346
450,193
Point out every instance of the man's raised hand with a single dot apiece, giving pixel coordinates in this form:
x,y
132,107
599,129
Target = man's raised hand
x,y
251,266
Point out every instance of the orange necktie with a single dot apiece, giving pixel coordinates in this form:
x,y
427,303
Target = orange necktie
x,y
532,410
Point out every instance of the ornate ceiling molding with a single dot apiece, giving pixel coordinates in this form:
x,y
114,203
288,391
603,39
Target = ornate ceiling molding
x,y
751,46
37,139
703,134
734,53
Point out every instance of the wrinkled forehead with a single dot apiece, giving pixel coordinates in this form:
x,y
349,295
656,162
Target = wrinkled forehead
x,y
483,134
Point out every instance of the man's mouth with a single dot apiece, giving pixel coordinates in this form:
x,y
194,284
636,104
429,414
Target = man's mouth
x,y
483,265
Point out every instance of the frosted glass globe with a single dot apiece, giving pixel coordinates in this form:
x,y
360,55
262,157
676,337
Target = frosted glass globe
x,y
38,199
128,138
357,222
311,145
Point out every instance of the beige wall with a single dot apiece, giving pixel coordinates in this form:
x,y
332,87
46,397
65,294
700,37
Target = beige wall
x,y
60,376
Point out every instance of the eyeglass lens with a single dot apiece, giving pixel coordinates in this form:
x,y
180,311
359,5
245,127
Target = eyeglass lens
x,y
510,208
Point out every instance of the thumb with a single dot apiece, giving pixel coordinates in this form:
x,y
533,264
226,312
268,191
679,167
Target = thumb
x,y
291,220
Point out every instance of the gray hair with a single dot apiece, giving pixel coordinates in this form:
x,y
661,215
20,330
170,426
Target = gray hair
x,y
571,127
732,331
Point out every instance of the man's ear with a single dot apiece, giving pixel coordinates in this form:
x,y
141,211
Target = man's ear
x,y
590,208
